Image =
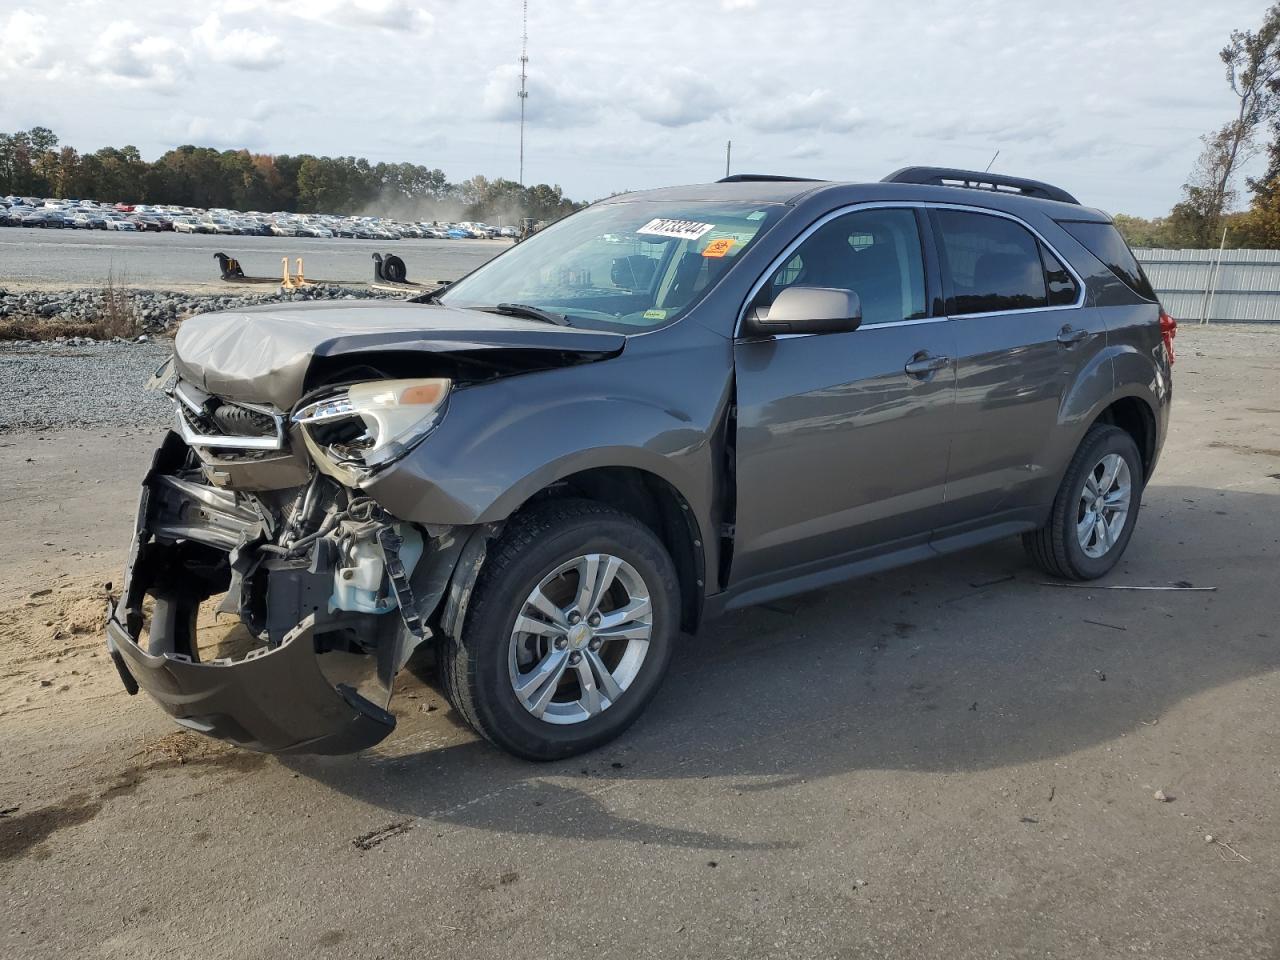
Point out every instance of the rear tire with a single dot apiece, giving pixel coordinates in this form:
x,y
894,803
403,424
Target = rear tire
x,y
1087,534
540,551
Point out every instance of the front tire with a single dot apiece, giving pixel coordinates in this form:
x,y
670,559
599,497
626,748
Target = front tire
x,y
568,632
1095,510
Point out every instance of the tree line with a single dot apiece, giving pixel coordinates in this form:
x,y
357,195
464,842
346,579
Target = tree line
x,y
34,163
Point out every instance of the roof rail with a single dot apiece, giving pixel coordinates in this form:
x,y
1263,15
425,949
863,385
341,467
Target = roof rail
x,y
768,177
974,180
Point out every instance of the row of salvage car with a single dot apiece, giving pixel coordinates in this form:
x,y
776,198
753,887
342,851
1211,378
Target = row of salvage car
x,y
88,215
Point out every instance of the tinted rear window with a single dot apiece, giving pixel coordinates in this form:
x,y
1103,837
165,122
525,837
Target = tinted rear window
x,y
1103,240
993,264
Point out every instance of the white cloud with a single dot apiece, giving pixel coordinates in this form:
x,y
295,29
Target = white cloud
x,y
552,100
212,132
25,44
674,97
816,109
124,55
238,47
397,15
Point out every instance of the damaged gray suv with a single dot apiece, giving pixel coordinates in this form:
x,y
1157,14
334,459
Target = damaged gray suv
x,y
669,405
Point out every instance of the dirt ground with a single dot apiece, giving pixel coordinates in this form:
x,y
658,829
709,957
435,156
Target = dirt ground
x,y
952,760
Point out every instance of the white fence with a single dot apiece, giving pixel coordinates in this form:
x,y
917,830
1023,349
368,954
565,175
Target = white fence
x,y
1234,286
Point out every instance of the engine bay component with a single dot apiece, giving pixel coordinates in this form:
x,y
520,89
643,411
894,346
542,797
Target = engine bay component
x,y
358,581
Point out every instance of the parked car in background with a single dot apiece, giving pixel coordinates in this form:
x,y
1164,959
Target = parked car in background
x,y
86,220
47,219
122,226
153,217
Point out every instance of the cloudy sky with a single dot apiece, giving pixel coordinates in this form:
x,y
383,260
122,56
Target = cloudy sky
x,y
1107,99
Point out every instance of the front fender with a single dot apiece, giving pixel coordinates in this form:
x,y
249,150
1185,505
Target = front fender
x,y
501,442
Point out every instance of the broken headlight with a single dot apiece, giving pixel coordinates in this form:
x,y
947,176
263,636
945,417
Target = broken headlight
x,y
354,430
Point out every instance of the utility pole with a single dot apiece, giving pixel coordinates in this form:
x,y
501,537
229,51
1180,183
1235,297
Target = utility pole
x,y
524,78
728,154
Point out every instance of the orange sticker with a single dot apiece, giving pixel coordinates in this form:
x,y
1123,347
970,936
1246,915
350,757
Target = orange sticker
x,y
718,248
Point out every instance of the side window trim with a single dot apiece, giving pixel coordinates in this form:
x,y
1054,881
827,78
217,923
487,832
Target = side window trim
x,y
935,295
944,273
934,241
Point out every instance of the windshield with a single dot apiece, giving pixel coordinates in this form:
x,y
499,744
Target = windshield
x,y
630,266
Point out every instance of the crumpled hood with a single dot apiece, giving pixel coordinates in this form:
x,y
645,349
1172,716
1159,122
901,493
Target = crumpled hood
x,y
261,354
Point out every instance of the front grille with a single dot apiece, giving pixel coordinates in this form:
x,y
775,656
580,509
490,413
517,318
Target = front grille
x,y
204,420
240,421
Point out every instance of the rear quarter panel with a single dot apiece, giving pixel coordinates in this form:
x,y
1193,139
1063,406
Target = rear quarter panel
x,y
1133,362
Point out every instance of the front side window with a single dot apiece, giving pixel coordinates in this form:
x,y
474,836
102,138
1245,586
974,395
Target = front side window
x,y
629,266
993,264
874,253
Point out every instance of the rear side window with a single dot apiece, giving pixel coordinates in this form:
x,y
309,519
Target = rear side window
x,y
1063,289
1103,240
992,263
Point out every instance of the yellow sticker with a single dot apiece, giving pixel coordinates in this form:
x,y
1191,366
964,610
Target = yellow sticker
x,y
655,314
718,248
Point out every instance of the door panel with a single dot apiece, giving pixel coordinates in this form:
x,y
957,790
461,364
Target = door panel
x,y
1020,346
839,449
1011,377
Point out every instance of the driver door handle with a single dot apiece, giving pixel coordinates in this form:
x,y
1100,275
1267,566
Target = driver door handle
x,y
922,364
1069,336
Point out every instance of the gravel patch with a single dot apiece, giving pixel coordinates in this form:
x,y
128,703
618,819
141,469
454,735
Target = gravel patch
x,y
53,385
151,311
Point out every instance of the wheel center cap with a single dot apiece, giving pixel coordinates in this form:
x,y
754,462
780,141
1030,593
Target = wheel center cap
x,y
579,636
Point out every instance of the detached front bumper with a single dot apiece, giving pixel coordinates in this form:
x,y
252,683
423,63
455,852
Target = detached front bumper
x,y
277,701
193,542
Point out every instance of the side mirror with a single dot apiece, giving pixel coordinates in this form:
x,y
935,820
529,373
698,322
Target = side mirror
x,y
807,310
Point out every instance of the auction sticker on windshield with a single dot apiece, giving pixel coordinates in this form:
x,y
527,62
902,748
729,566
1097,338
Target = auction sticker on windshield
x,y
679,229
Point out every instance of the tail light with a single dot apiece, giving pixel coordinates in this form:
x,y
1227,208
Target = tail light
x,y
1168,330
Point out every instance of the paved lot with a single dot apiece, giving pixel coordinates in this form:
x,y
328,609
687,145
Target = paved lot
x,y
951,760
53,259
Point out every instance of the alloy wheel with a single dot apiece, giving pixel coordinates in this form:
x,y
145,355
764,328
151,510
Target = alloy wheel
x,y
1103,505
580,638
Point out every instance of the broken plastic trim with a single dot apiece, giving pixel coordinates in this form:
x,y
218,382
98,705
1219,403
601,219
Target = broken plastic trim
x,y
276,700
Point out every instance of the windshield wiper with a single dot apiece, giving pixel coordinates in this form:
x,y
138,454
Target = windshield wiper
x,y
530,313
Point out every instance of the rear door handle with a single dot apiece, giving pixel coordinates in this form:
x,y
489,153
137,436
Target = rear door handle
x,y
921,365
1068,336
